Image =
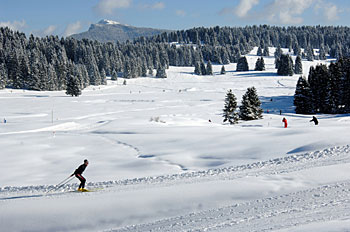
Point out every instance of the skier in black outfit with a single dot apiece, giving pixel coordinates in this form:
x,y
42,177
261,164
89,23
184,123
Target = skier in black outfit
x,y
78,174
314,119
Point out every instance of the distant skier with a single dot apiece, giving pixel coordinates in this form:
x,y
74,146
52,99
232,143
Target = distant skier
x,y
78,174
314,119
284,120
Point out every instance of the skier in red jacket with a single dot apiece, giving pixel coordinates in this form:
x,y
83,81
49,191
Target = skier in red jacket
x,y
285,122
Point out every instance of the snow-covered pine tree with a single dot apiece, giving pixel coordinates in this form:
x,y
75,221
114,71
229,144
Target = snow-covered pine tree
x,y
203,69
318,80
298,68
250,108
260,64
127,72
197,68
285,66
223,71
303,97
278,52
114,75
296,49
337,87
266,51
230,109
322,53
143,69
310,54
259,52
242,64
73,86
161,72
3,76
209,69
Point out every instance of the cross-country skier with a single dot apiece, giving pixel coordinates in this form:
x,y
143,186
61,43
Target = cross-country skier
x,y
285,122
78,175
314,119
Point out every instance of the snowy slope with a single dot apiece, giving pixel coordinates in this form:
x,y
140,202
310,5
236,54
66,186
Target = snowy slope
x,y
158,164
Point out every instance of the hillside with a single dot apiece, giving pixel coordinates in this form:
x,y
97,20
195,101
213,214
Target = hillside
x,y
111,31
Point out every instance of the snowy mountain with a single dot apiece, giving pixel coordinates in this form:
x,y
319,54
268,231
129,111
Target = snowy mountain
x,y
112,31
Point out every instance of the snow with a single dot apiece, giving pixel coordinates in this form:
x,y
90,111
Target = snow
x,y
109,22
157,163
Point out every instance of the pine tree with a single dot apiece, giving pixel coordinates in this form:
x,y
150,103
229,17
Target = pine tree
x,y
260,64
114,75
278,52
209,69
285,66
259,52
230,113
298,68
3,76
303,97
223,71
161,73
197,69
322,53
242,64
203,69
73,86
266,51
250,108
309,54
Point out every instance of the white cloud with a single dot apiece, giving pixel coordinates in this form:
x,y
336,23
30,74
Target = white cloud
x,y
155,6
180,13
106,7
15,25
72,28
332,13
47,31
244,7
288,11
50,30
330,10
158,6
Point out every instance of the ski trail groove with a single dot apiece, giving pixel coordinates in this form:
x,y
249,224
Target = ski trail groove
x,y
280,212
287,164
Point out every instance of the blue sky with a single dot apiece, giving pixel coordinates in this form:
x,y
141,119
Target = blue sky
x,y
65,17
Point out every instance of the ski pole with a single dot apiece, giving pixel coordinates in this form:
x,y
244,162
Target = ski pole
x,y
68,180
63,182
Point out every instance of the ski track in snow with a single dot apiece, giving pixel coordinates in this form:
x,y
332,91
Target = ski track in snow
x,y
323,203
287,164
273,213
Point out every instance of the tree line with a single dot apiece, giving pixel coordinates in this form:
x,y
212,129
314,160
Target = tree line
x,y
48,63
326,90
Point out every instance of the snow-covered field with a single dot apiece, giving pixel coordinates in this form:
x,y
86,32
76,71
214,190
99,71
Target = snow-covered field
x,y
159,164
